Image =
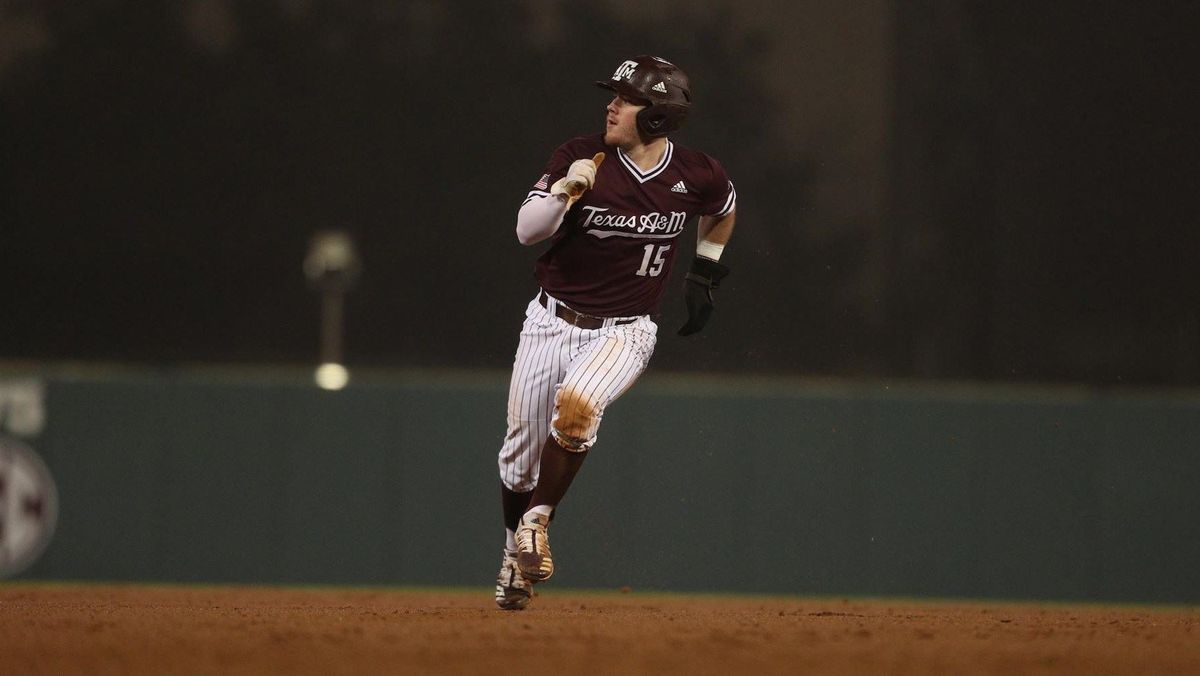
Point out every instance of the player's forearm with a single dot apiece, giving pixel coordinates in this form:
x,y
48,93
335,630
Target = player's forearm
x,y
712,234
539,218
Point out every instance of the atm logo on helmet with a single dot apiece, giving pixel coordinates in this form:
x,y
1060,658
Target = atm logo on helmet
x,y
625,70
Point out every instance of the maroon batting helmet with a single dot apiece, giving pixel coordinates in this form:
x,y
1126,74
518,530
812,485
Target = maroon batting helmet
x,y
659,85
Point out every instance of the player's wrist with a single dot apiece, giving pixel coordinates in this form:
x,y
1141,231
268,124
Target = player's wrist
x,y
709,250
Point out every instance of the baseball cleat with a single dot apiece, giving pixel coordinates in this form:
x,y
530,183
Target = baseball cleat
x,y
513,591
533,548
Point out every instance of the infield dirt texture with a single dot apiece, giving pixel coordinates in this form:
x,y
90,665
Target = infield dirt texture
x,y
83,629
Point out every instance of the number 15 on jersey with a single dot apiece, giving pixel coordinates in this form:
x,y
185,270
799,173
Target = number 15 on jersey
x,y
653,261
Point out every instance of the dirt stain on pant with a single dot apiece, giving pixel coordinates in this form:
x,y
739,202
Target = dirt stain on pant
x,y
577,416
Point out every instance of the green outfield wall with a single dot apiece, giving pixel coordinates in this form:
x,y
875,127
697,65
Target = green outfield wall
x,y
713,484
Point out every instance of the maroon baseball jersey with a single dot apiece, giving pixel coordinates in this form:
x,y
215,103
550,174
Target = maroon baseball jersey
x,y
614,250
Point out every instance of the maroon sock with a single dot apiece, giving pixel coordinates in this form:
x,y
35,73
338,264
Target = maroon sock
x,y
515,504
558,467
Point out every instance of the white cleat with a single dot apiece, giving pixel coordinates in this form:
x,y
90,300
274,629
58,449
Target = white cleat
x,y
533,548
513,591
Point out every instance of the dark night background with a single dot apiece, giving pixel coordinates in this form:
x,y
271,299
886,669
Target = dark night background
x,y
944,190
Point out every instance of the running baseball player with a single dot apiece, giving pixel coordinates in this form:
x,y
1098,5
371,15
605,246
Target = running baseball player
x,y
613,206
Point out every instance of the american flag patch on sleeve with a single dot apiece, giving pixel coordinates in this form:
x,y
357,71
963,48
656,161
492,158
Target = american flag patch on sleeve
x,y
541,184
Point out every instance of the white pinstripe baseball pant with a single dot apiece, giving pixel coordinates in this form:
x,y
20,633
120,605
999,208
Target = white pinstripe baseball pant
x,y
563,379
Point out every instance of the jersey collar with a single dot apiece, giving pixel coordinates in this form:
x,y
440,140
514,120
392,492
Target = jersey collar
x,y
643,176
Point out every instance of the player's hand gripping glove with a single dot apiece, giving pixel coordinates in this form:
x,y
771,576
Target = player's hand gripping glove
x,y
581,176
702,279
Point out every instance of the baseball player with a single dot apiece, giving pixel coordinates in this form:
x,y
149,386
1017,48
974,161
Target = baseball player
x,y
612,206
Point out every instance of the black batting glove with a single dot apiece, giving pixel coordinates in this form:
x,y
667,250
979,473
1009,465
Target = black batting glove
x,y
703,278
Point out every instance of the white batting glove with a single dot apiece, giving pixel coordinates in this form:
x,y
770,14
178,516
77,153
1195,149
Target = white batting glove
x,y
580,177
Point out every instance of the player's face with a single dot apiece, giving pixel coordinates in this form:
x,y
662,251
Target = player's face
x,y
620,124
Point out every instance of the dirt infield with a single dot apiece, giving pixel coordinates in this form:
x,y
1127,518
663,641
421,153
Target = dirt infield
x,y
64,629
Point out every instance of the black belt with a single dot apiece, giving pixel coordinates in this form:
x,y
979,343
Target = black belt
x,y
577,318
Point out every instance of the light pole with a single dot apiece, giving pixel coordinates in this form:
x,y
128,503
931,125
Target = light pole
x,y
332,267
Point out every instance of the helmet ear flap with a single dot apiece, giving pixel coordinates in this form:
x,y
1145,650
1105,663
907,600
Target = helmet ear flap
x,y
660,119
650,121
